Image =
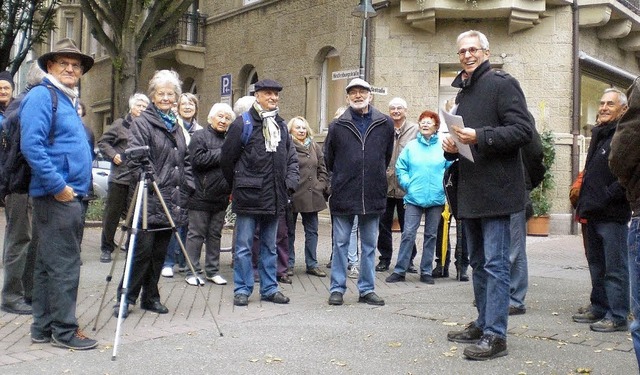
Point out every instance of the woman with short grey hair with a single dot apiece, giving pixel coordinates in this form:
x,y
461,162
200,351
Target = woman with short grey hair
x,y
157,127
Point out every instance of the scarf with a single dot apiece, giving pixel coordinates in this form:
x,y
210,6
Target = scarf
x,y
270,128
169,119
72,93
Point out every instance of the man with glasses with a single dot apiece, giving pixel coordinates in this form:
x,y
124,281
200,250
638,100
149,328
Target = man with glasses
x,y
497,125
54,142
405,131
358,149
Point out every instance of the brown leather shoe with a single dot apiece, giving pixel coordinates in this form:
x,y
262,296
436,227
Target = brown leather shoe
x,y
316,272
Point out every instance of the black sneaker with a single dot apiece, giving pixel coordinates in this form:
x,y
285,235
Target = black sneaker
x,y
77,342
469,335
513,310
412,269
105,257
40,338
241,300
395,277
371,299
489,347
427,279
335,299
276,297
382,266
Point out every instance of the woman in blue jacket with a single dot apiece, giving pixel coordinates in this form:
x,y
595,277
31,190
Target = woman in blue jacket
x,y
420,170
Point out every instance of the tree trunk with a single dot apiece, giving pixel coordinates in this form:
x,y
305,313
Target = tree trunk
x,y
125,80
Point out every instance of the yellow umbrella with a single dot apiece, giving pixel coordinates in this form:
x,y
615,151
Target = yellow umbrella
x,y
446,215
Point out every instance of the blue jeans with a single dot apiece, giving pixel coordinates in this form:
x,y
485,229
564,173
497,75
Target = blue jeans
x,y
242,267
174,253
608,260
342,227
518,260
633,242
488,240
412,216
310,224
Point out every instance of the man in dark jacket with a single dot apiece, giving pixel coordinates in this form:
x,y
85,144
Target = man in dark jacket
x,y
261,176
358,149
491,188
603,204
624,161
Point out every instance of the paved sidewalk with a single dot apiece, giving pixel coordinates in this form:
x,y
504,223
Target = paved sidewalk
x,y
407,335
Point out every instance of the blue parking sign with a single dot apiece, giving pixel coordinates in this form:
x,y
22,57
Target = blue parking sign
x,y
225,85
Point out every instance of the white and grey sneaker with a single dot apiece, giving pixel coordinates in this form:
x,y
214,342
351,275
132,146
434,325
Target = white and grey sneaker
x,y
354,273
217,279
194,280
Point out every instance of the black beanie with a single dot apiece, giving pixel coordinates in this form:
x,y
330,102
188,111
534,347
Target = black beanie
x,y
6,76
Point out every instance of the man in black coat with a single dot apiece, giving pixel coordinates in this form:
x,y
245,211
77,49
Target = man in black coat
x,y
358,149
491,187
262,177
602,202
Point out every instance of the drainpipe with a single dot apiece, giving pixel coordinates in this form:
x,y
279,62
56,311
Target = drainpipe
x,y
575,115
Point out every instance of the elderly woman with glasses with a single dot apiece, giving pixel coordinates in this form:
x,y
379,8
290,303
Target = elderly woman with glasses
x,y
157,127
420,169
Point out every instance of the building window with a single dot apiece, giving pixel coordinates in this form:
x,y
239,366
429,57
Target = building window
x,y
252,78
332,95
69,28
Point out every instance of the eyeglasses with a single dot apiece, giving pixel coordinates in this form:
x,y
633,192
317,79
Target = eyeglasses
x,y
396,108
428,122
355,92
64,65
472,50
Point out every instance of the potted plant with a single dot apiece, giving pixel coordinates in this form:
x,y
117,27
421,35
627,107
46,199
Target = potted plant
x,y
538,224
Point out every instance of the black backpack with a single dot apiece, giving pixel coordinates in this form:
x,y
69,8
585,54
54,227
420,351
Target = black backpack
x,y
15,172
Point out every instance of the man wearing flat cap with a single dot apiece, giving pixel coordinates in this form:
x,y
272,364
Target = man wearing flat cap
x,y
358,149
6,91
54,143
262,167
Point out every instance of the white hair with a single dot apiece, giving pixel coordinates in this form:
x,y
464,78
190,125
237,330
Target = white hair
x,y
243,104
221,107
398,102
164,77
133,99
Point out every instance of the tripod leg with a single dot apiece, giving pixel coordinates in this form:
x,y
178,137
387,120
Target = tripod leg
x,y
141,199
184,252
127,226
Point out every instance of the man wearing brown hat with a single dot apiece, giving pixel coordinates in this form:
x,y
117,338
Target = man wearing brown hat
x,y
54,143
256,161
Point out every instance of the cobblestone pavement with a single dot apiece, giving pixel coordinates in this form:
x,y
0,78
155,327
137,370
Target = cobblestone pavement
x,y
408,335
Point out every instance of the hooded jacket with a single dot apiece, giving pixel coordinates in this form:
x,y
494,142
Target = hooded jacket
x,y
358,163
420,170
309,196
492,103
171,164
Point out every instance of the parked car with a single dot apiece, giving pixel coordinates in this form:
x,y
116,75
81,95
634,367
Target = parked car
x,y
100,170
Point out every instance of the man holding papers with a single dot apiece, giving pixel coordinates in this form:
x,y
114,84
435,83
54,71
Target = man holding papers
x,y
490,188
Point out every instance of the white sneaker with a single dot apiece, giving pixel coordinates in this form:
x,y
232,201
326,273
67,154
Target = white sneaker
x,y
218,280
193,280
354,273
167,272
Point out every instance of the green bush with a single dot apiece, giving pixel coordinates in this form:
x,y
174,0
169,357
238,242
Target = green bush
x,y
95,210
541,195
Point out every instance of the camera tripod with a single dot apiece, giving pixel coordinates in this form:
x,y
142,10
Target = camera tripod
x,y
137,211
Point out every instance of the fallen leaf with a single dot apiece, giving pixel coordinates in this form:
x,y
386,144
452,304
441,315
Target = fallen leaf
x,y
394,344
450,323
555,313
448,354
253,360
583,370
528,362
597,351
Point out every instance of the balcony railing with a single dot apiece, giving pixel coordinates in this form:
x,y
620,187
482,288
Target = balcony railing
x,y
189,31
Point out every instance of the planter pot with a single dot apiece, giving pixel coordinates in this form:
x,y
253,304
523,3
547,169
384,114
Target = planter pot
x,y
538,226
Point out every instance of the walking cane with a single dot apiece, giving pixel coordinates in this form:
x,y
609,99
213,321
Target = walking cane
x,y
446,215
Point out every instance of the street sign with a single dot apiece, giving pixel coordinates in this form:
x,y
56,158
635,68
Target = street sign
x,y
379,90
345,74
225,85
